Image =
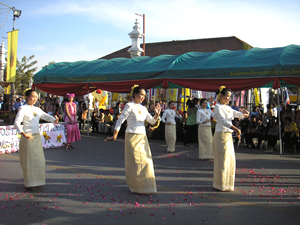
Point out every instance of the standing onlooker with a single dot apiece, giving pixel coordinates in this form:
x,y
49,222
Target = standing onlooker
x,y
163,106
46,102
95,123
273,133
224,157
274,109
17,105
83,117
191,124
204,131
117,109
235,106
139,168
96,106
70,117
31,150
79,114
50,107
170,126
297,117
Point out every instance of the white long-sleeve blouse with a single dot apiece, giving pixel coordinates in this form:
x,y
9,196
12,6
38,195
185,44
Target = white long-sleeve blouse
x,y
169,116
135,114
30,116
224,115
203,115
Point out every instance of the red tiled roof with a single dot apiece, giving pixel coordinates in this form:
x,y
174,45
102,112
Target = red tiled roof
x,y
180,47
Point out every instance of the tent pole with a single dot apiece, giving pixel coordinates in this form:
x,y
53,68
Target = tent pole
x,y
184,101
88,116
279,122
167,97
297,96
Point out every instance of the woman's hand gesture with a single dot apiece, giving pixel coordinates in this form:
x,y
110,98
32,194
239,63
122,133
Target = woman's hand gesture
x,y
157,109
245,112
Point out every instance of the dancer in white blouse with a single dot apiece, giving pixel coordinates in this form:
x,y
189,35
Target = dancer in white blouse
x,y
203,118
224,156
139,168
170,126
31,150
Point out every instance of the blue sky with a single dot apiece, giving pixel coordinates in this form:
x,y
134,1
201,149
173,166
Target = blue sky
x,y
73,30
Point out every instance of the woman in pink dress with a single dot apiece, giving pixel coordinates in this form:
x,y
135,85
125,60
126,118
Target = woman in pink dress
x,y
73,133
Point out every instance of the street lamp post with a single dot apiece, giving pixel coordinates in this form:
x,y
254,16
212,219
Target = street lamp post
x,y
16,14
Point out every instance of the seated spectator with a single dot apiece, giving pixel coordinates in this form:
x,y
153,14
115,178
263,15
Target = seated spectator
x,y
263,127
273,133
261,107
290,134
244,127
253,132
256,112
108,119
288,113
116,117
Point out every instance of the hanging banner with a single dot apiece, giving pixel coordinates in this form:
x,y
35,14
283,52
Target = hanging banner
x,y
12,45
52,135
256,97
173,94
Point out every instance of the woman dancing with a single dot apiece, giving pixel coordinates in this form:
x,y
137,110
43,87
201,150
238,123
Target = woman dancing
x,y
224,157
138,160
31,150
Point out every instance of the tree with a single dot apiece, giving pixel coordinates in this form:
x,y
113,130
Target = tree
x,y
25,70
50,63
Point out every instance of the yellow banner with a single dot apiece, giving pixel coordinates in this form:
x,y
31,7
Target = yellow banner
x,y
7,90
173,94
256,97
12,45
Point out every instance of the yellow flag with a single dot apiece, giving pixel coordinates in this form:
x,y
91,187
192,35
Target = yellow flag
x,y
256,97
102,102
7,90
12,45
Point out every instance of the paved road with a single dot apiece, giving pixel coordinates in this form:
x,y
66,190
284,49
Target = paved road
x,y
87,185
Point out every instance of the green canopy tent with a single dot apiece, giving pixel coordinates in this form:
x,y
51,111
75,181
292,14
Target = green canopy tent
x,y
238,70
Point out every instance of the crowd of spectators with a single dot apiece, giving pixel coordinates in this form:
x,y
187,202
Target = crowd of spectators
x,y
259,131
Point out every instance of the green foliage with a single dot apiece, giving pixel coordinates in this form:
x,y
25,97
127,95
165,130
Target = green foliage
x,y
246,47
25,70
50,63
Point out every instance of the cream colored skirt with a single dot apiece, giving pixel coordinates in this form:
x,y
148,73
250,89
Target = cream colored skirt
x,y
224,162
32,161
139,168
170,136
205,142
